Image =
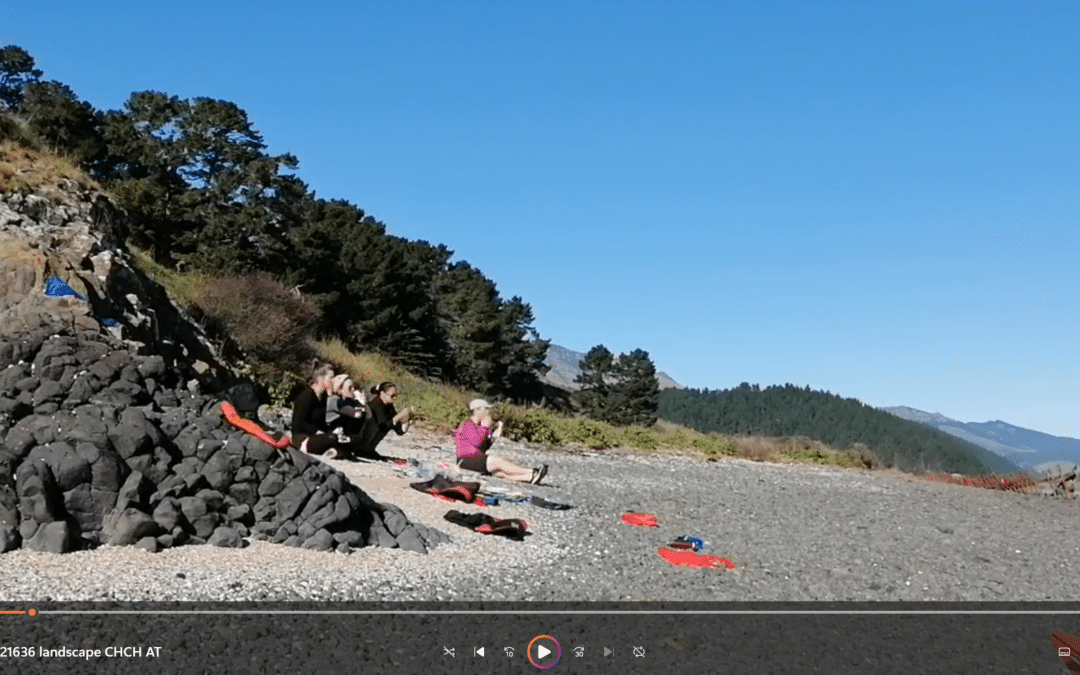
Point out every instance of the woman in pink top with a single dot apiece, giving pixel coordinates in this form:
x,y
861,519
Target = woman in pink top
x,y
475,436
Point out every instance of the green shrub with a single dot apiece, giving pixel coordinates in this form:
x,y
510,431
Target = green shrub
x,y
590,432
536,425
640,438
714,446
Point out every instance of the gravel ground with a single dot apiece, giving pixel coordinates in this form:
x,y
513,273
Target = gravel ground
x,y
794,533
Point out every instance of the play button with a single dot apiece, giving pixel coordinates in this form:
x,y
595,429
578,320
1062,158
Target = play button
x,y
544,651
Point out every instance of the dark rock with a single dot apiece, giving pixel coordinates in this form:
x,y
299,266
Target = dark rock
x,y
149,544
88,451
79,503
27,384
410,540
320,541
196,482
55,537
173,421
218,471
305,530
127,526
130,440
40,499
272,485
151,366
244,493
206,447
350,538
378,536
204,526
193,508
50,390
68,468
394,519
291,499
340,513
319,498
109,471
225,537
169,516
241,513
135,491
9,520
213,499
81,391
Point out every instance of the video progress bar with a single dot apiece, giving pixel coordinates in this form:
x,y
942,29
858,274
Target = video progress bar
x,y
545,612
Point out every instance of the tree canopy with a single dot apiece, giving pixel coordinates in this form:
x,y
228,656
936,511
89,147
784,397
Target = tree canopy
x,y
621,390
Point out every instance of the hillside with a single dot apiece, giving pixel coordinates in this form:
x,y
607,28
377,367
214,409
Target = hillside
x,y
841,422
1023,447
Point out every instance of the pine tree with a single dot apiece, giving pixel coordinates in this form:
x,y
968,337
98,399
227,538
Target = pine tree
x,y
620,390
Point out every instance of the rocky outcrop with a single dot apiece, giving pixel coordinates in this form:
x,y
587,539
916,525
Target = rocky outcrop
x,y
113,435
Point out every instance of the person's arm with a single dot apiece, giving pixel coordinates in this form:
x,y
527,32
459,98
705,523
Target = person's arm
x,y
403,420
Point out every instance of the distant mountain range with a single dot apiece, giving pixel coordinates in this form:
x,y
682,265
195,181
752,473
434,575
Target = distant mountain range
x,y
1023,447
563,364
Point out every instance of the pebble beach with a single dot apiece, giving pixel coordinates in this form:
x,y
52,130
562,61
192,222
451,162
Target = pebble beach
x,y
793,532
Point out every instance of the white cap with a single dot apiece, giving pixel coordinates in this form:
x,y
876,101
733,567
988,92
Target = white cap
x,y
478,403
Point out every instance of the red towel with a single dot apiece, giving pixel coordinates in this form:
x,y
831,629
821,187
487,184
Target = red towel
x,y
693,559
251,427
640,519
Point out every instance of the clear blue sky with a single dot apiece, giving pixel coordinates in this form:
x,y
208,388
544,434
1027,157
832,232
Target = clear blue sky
x,y
879,199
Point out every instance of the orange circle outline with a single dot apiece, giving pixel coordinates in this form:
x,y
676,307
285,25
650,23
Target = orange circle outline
x,y
528,652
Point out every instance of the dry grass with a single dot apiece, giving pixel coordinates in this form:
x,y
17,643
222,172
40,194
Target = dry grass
x,y
441,406
24,170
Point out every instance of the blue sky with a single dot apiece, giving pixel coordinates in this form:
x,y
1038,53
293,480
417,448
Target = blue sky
x,y
879,199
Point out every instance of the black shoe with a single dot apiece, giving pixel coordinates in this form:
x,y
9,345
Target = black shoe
x,y
538,474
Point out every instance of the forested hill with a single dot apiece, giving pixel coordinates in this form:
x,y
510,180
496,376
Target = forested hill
x,y
841,422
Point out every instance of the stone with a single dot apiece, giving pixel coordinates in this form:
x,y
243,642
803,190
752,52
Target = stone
x,y
168,515
225,537
40,499
394,519
319,541
149,544
272,485
50,390
193,508
55,537
410,540
68,468
292,498
127,526
218,471
130,440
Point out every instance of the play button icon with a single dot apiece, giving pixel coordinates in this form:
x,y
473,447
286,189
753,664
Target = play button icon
x,y
544,651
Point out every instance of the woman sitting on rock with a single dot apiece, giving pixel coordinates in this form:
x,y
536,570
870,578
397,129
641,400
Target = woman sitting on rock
x,y
475,436
309,430
381,418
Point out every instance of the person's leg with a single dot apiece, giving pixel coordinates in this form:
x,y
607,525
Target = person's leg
x,y
500,467
320,444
